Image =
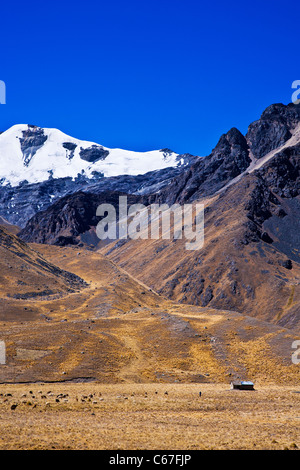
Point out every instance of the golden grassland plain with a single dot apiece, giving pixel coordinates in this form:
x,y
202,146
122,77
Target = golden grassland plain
x,y
148,416
115,365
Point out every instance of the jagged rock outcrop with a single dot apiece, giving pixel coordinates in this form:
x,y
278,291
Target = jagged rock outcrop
x,y
71,216
228,159
273,129
93,153
33,139
282,173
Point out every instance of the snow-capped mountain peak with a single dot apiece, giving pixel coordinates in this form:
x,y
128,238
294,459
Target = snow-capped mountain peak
x,y
35,154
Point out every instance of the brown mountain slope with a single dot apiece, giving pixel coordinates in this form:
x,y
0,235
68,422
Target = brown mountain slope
x,y
8,226
250,259
117,330
241,266
25,274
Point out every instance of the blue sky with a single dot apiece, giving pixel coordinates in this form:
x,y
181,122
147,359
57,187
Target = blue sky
x,y
144,75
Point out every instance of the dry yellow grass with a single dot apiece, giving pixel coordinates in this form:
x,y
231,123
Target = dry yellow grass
x,y
144,416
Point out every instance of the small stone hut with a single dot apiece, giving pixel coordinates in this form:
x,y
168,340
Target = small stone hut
x,y
242,385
